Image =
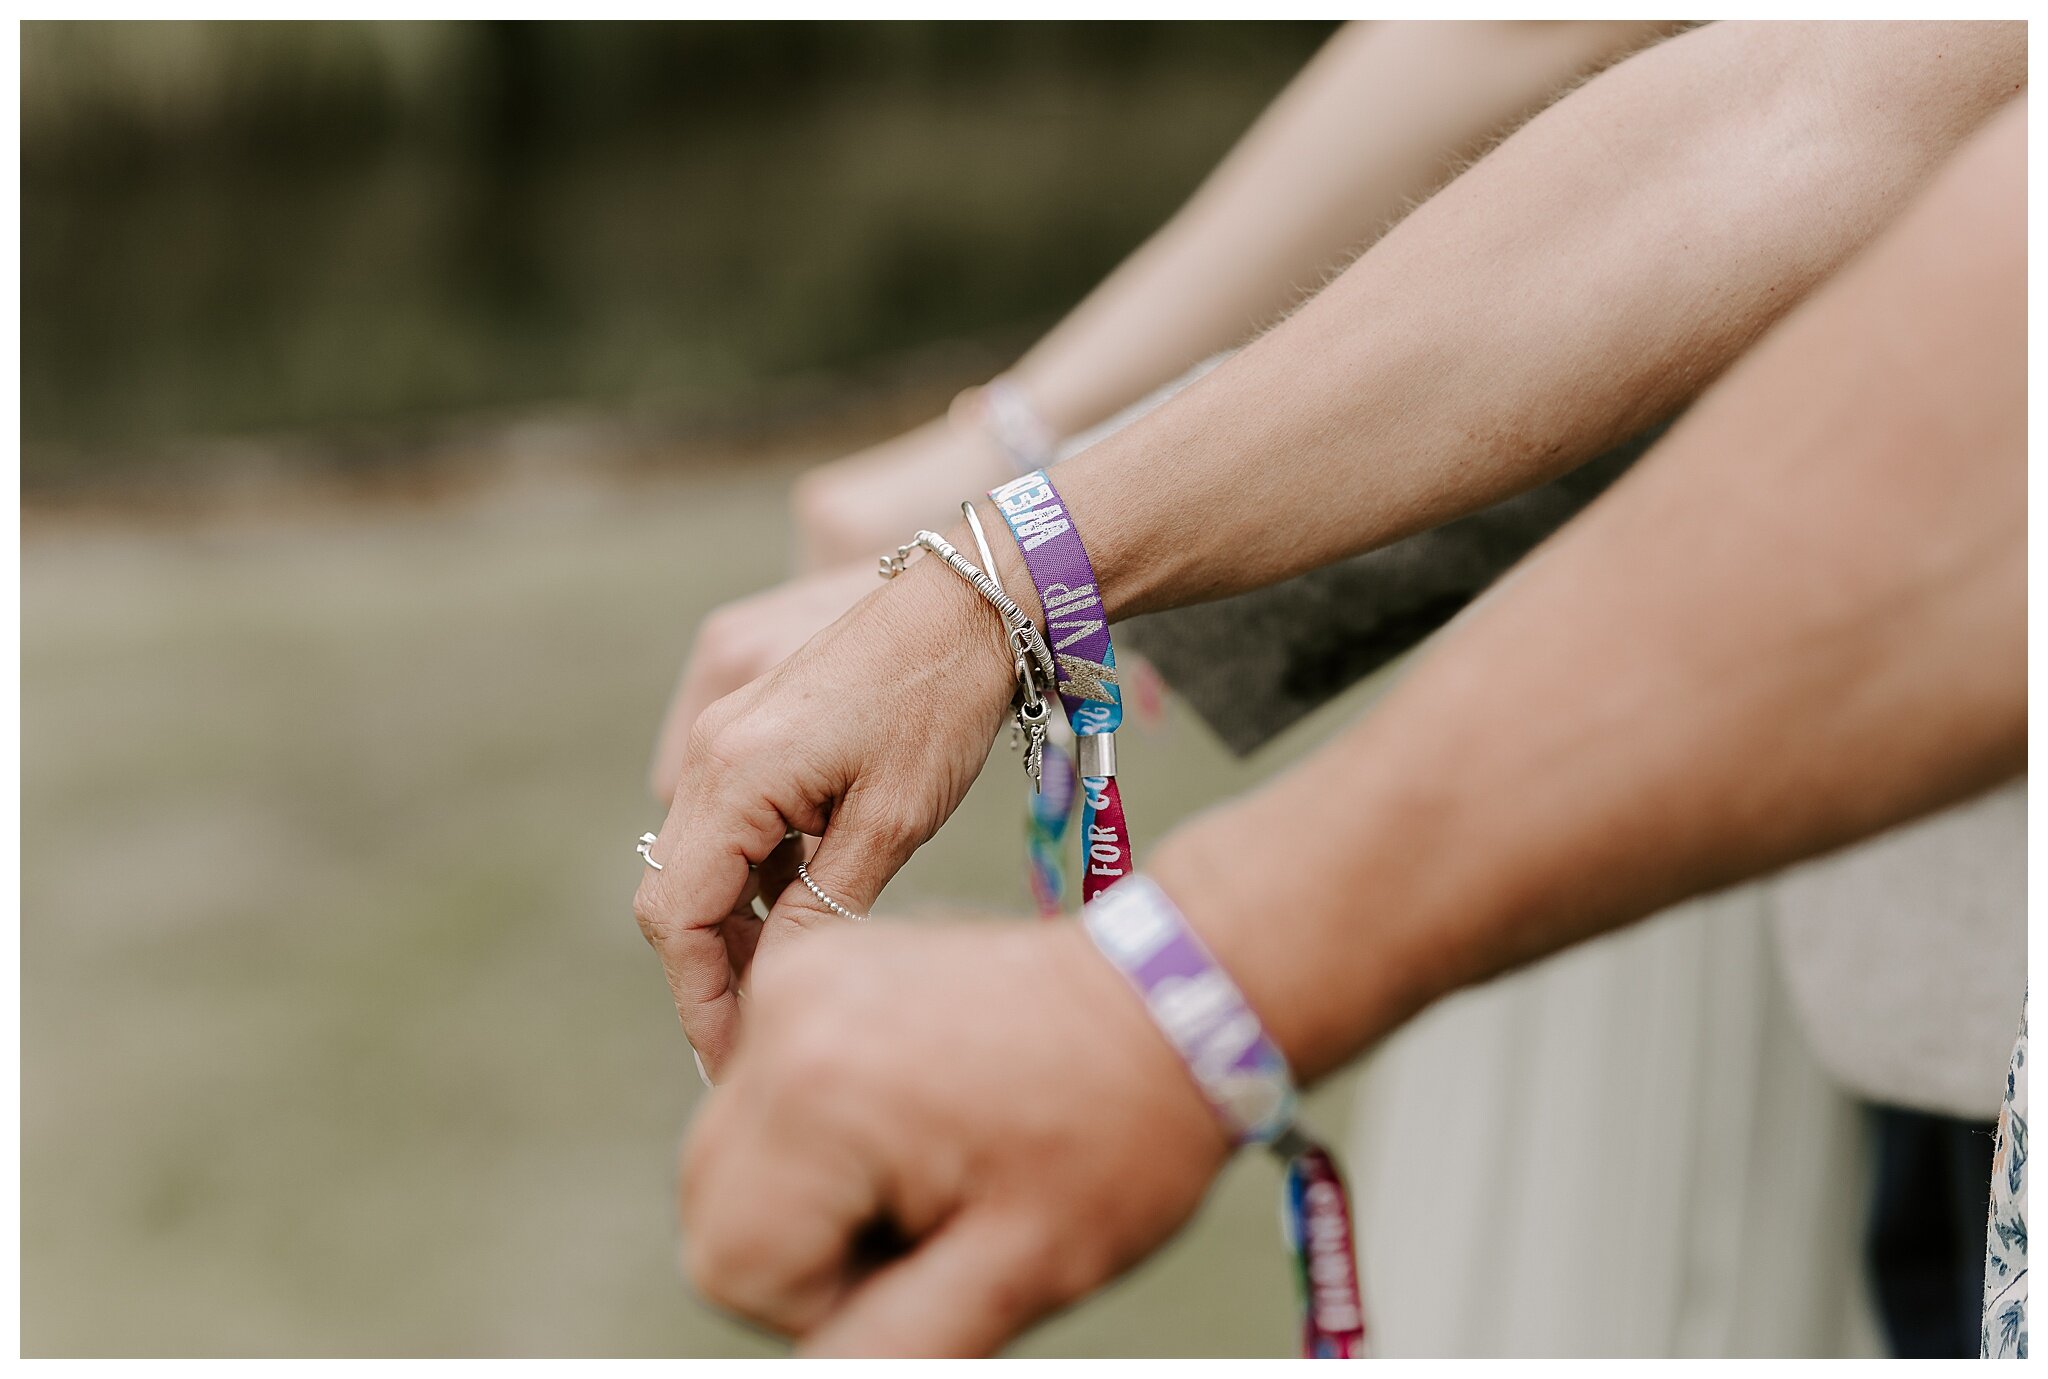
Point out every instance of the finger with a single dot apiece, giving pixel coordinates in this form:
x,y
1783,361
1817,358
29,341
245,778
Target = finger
x,y
697,690
777,871
962,1292
768,1216
858,854
742,928
705,849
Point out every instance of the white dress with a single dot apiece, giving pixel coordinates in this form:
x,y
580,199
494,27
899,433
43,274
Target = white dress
x,y
1625,1150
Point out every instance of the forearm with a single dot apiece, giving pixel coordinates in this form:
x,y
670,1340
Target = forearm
x,y
1801,621
1382,116
1584,280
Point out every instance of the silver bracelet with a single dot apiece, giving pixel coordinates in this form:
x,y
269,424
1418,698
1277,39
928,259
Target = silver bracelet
x,y
1031,658
1035,642
1024,635
1031,736
803,874
988,557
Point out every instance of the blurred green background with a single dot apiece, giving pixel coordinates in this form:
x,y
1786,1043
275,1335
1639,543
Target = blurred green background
x,y
357,230
396,400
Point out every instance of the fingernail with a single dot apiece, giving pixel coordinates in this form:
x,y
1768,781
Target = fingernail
x,y
699,1059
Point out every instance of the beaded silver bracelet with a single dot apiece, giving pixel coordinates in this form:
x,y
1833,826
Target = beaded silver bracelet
x,y
803,874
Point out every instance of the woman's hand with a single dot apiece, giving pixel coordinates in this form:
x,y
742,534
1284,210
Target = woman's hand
x,y
867,737
865,505
935,1137
740,642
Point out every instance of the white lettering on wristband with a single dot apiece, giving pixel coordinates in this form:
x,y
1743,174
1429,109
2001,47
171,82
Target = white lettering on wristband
x,y
1040,527
1129,934
1060,600
1330,1269
1105,851
1021,496
1092,719
1026,492
1062,605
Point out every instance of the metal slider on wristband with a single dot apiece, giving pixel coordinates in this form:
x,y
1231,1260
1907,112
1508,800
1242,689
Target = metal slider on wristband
x,y
1095,754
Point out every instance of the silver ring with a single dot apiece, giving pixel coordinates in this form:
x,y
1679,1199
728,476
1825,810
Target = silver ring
x,y
803,874
647,842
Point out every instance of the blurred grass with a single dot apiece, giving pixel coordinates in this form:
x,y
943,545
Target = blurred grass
x,y
338,1036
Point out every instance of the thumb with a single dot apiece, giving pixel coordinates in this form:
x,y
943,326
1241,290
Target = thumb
x,y
961,1293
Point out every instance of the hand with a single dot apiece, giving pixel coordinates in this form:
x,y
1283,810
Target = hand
x,y
867,737
739,642
869,503
993,1101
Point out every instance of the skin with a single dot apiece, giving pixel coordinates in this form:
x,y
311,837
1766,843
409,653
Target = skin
x,y
1799,620
1386,114
1585,279
1382,117
740,641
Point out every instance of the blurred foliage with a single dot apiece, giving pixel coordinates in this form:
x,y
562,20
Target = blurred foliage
x,y
231,228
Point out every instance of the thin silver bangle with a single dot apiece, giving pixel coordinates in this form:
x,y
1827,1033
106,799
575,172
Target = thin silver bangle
x,y
988,557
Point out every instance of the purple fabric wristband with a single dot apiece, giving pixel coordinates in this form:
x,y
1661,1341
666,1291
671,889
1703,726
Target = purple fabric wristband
x,y
1076,626
1196,1005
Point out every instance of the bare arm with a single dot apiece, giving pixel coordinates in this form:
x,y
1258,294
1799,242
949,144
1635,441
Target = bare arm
x,y
1580,283
1802,620
1382,117
1584,279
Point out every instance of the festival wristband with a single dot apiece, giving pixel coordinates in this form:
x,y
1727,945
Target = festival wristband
x,y
1047,812
1084,660
1076,626
1246,1081
1241,1072
1005,415
1197,1006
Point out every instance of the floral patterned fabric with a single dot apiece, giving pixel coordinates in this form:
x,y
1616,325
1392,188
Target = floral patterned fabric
x,y
2005,1236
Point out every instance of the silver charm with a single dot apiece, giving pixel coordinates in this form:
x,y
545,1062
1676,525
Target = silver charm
x,y
1030,722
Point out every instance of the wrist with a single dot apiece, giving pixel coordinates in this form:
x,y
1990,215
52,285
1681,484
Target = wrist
x,y
1053,405
1011,572
1122,1030
1005,420
1197,1005
961,626
1329,971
